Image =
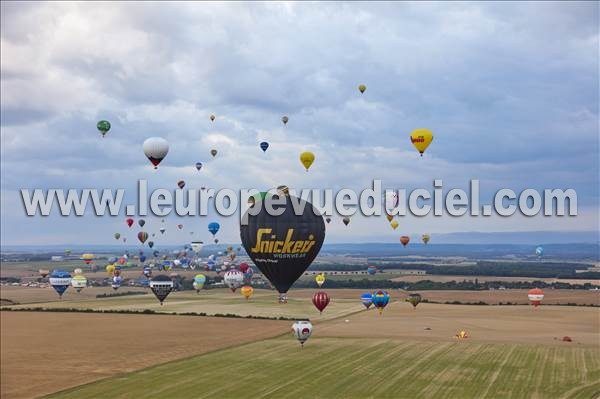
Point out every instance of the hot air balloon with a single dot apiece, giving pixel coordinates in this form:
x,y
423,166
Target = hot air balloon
x,y
44,272
247,291
197,246
147,271
404,240
117,236
216,240
380,300
233,279
307,158
391,202
394,224
181,184
116,282
198,165
535,296
60,281
244,267
142,236
212,117
213,152
320,299
87,258
367,299
284,119
346,220
180,226
302,330
425,238
143,257
129,222
389,217
248,275
421,138
79,282
77,271
264,146
199,280
103,127
150,244
320,279
414,299
328,220
283,246
539,251
213,228
362,88
371,270
161,287
110,269
162,230
156,149
141,222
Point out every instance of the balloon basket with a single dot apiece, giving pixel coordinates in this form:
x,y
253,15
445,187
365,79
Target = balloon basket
x,y
282,298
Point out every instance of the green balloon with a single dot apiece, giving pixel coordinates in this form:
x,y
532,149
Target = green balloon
x,y
103,126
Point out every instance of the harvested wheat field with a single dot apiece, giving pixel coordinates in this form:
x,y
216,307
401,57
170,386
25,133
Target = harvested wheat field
x,y
24,295
514,324
47,352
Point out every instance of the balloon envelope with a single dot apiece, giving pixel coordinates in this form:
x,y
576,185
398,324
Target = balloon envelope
x,y
283,246
421,138
60,280
155,149
367,299
161,287
302,330
307,158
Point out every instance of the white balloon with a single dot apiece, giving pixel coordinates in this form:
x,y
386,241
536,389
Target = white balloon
x,y
302,330
156,149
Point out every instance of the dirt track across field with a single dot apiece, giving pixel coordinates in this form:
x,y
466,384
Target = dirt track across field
x,y
42,353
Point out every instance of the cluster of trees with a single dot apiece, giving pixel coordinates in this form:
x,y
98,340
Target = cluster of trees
x,y
465,285
482,268
121,293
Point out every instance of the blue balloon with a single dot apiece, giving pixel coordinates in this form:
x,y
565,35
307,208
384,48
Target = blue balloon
x,y
60,281
213,227
142,258
155,253
539,251
371,270
367,299
380,299
264,145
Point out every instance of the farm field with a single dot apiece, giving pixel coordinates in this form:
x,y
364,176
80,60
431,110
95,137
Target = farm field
x,y
47,352
339,367
507,339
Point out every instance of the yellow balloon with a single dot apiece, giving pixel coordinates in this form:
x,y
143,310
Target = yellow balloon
x,y
320,279
247,291
421,138
110,269
389,217
362,88
394,225
307,158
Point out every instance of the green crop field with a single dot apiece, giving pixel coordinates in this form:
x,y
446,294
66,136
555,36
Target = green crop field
x,y
365,368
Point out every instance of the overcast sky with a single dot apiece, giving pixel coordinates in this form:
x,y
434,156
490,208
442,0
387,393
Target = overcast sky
x,y
510,91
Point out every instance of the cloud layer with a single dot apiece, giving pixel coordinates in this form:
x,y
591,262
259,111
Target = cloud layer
x,y
509,90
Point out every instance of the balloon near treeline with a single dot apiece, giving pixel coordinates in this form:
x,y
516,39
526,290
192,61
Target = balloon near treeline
x,y
380,300
535,296
421,138
161,287
320,279
302,330
414,299
283,246
425,238
60,280
366,299
247,291
199,280
320,299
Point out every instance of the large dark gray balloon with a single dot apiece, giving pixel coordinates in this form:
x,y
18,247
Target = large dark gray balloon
x,y
282,247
